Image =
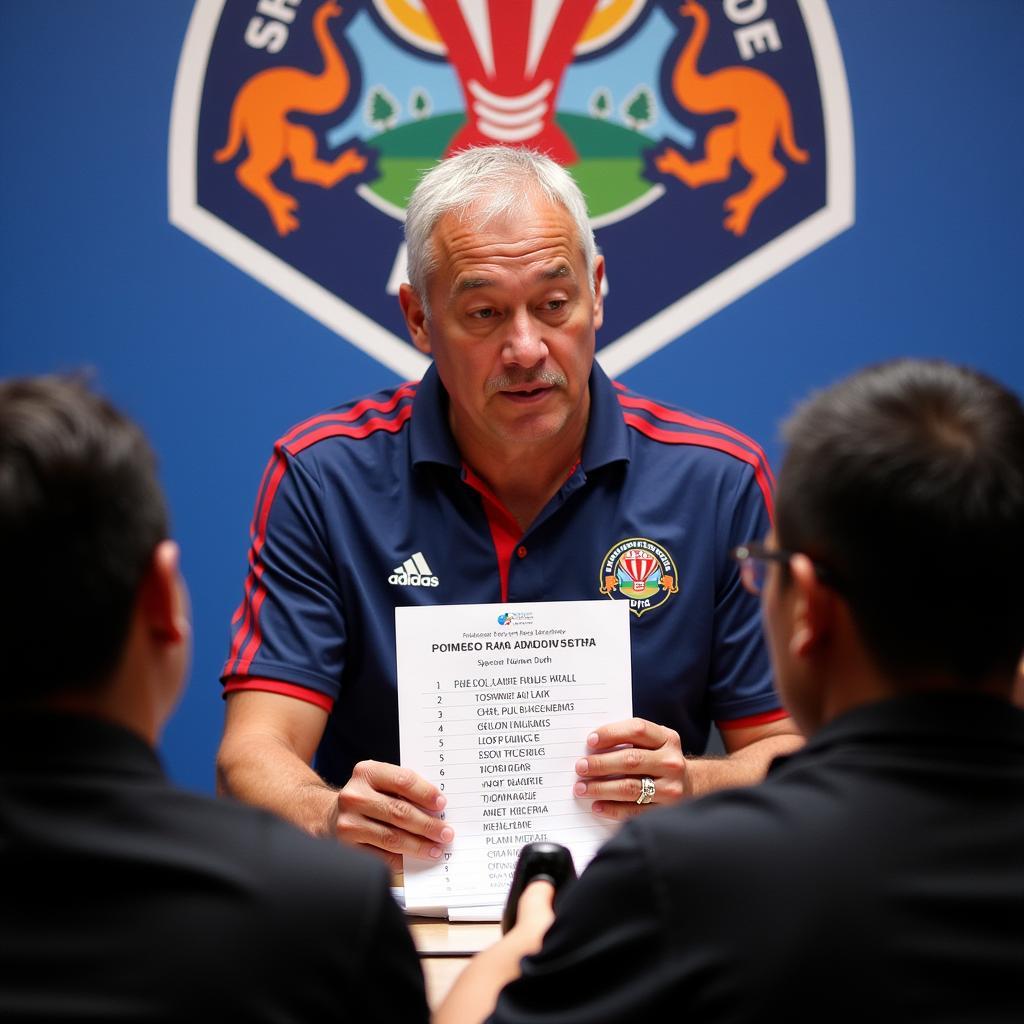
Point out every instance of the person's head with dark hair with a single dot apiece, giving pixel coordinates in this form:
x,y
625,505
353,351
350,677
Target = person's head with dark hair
x,y
902,497
91,586
119,889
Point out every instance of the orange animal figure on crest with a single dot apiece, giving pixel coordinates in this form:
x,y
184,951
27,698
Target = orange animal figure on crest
x,y
763,118
259,115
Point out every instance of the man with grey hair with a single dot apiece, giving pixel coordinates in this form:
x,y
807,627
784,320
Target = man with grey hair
x,y
514,471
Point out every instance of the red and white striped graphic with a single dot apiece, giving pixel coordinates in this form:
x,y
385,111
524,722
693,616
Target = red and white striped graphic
x,y
510,58
638,565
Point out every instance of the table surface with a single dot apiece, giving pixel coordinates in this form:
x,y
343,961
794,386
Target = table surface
x,y
445,947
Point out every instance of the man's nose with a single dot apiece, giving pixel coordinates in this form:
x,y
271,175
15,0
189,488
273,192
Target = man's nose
x,y
523,344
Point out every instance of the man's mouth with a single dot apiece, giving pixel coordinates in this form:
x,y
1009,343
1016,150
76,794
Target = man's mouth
x,y
526,393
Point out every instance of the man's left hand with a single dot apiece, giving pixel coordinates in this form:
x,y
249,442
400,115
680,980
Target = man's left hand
x,y
614,777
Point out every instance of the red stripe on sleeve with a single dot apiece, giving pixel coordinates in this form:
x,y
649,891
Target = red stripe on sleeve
x,y
762,719
391,426
717,443
701,423
405,391
237,684
244,603
252,533
248,638
256,639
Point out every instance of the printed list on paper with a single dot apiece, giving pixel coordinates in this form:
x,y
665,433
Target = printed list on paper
x,y
495,704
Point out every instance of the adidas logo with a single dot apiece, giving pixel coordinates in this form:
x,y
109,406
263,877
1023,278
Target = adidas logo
x,y
414,572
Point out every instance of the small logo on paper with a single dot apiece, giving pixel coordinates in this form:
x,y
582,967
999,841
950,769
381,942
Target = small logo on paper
x,y
515,618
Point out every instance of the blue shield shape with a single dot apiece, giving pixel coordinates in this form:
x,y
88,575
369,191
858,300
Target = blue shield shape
x,y
713,142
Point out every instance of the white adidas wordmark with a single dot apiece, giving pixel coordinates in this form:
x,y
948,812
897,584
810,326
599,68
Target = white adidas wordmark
x,y
414,572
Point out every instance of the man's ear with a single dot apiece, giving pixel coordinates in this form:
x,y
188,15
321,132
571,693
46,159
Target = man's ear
x,y
415,317
814,609
162,601
598,297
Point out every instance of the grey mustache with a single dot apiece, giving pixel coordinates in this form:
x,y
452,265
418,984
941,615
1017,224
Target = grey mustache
x,y
512,380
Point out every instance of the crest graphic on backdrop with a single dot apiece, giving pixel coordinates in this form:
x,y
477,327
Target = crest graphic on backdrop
x,y
712,139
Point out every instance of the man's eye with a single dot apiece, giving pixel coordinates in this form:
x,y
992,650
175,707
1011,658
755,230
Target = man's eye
x,y
482,314
554,304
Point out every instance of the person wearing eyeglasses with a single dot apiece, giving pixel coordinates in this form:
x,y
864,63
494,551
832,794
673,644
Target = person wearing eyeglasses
x,y
879,871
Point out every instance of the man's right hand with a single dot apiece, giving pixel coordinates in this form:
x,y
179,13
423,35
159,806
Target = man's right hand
x,y
264,759
390,811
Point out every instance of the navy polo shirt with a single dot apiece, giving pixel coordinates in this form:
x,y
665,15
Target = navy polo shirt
x,y
370,507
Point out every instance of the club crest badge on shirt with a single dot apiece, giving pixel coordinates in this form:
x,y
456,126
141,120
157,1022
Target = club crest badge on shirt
x,y
641,572
712,139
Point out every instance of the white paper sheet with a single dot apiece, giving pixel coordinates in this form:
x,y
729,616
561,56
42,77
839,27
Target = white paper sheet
x,y
495,705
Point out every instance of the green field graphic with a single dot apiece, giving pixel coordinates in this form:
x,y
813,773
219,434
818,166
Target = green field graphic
x,y
609,171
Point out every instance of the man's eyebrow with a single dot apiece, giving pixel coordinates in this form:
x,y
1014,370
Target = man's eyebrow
x,y
562,270
469,283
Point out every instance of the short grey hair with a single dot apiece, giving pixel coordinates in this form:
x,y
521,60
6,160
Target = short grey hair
x,y
497,179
